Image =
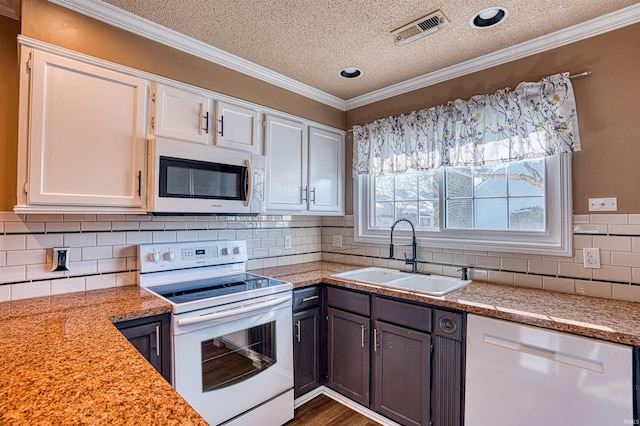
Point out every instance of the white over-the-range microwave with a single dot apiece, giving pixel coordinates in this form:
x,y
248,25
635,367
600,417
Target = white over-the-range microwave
x,y
190,178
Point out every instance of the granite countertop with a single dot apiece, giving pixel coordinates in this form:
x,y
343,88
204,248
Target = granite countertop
x,y
64,362
608,319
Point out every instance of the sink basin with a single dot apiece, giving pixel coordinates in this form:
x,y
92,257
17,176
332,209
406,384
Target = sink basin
x,y
371,275
434,285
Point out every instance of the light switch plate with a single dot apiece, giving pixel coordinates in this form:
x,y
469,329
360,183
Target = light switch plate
x,y
60,259
591,258
287,242
603,204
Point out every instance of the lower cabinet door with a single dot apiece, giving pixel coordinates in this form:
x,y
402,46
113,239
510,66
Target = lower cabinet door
x,y
306,351
402,379
348,354
150,336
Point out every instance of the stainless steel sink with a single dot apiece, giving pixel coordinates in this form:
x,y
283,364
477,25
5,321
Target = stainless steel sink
x,y
435,285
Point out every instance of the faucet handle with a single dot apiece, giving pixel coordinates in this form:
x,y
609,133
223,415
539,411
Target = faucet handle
x,y
464,273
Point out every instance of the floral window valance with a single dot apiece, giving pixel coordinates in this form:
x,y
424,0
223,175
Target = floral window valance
x,y
535,119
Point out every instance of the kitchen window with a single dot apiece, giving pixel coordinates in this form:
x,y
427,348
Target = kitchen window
x,y
522,206
492,173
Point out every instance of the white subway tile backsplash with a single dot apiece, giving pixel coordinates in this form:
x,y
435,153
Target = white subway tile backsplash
x,y
43,241
111,238
26,257
125,226
625,259
515,264
23,227
30,290
42,271
126,278
151,226
12,274
609,218
95,226
527,280
624,229
67,285
112,265
3,258
143,237
5,293
576,270
543,267
593,288
94,253
613,243
500,277
626,292
84,267
563,285
96,282
613,273
51,227
81,240
186,236
12,242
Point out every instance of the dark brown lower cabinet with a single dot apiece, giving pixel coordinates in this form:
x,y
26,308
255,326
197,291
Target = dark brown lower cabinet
x,y
402,369
348,354
151,337
306,351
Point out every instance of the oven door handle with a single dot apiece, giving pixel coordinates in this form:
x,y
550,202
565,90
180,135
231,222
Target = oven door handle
x,y
233,312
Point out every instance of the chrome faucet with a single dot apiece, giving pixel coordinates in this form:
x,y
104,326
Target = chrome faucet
x,y
413,262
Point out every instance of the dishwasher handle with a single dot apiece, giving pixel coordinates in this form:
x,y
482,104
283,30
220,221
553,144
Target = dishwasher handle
x,y
233,312
563,357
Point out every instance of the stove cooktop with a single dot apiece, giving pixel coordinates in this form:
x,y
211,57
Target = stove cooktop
x,y
186,292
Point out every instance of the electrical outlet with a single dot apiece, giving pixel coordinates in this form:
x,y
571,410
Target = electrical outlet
x,y
337,240
60,259
287,242
591,258
603,204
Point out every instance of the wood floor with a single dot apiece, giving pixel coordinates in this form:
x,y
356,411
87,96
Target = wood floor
x,y
324,411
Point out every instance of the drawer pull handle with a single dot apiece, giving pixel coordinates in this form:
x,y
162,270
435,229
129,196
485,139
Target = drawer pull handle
x,y
158,341
307,299
375,340
364,330
298,330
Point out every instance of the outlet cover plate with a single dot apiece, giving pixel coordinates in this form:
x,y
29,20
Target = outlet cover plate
x,y
591,258
287,242
337,240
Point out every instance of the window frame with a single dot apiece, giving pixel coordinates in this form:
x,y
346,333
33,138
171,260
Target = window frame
x,y
556,240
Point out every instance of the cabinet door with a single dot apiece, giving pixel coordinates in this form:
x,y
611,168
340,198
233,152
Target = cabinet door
x,y
348,353
150,336
402,374
180,114
87,135
237,127
286,143
306,351
326,171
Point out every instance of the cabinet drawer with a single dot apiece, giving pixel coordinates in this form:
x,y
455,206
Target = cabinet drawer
x,y
348,300
306,298
405,314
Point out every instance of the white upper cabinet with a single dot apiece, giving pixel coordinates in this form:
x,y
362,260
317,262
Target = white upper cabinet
x,y
326,171
305,169
82,139
180,114
237,127
286,144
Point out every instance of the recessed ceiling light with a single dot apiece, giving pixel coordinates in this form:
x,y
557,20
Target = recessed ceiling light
x,y
350,73
489,17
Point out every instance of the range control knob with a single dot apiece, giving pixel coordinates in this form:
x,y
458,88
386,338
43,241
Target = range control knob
x,y
154,257
170,256
225,251
236,250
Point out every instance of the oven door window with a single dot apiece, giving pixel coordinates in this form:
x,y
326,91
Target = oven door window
x,y
234,357
180,178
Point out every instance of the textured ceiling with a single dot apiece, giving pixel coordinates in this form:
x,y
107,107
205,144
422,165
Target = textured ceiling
x,y
312,40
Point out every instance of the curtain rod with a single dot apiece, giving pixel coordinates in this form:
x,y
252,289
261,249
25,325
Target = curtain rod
x,y
582,74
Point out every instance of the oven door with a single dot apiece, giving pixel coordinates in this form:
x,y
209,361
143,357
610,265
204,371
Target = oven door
x,y
228,362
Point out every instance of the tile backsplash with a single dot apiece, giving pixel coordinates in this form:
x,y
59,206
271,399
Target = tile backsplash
x,y
103,251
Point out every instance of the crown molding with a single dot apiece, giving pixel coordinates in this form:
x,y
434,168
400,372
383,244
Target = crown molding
x,y
127,21
612,21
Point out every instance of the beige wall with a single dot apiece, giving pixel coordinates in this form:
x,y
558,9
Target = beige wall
x,y
9,80
607,102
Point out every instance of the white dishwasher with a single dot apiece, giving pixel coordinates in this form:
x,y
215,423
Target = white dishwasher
x,y
528,376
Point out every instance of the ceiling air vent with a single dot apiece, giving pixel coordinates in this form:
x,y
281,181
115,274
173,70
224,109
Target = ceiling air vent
x,y
419,28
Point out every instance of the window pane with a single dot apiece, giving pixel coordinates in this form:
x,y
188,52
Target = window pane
x,y
384,188
459,214
407,187
383,216
407,211
526,178
491,181
491,213
429,186
459,182
429,214
526,213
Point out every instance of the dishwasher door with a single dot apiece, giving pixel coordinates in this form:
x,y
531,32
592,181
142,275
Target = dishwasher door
x,y
521,375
